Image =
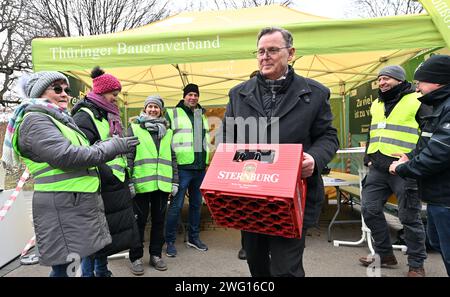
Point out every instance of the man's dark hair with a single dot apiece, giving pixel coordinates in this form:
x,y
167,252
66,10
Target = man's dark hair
x,y
287,36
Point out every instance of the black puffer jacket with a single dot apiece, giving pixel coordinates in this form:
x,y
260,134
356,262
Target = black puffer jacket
x,y
116,194
302,114
430,161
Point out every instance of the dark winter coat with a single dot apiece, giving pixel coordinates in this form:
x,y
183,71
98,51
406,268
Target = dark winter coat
x,y
430,161
302,114
116,194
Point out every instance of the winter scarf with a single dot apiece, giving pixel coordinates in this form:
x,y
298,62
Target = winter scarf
x,y
113,113
9,156
270,89
392,96
153,125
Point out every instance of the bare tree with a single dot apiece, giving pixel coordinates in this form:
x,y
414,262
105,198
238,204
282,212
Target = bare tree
x,y
15,48
92,17
225,4
230,4
378,8
22,20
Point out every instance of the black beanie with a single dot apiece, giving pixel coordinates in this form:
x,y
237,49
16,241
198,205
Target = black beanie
x,y
190,88
434,70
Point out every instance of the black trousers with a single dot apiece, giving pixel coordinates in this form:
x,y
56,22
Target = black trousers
x,y
155,203
274,255
377,186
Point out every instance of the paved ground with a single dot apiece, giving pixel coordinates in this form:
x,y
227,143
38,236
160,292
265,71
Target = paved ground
x,y
321,258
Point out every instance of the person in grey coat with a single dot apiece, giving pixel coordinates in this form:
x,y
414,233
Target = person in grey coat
x,y
288,108
68,215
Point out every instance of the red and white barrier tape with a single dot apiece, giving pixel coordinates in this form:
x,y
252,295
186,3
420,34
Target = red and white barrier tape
x,y
8,203
29,245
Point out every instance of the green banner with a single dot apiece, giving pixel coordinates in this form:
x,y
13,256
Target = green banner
x,y
359,111
136,50
150,48
439,10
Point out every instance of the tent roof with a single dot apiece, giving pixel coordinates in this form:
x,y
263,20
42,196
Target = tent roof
x,y
214,50
232,19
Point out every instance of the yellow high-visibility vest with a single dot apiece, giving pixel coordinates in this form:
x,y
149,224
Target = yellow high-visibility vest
x,y
50,179
183,136
399,132
118,165
152,168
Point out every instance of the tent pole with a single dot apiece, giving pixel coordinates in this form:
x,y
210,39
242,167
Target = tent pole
x,y
125,108
183,77
344,114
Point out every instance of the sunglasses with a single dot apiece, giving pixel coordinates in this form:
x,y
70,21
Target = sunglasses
x,y
58,89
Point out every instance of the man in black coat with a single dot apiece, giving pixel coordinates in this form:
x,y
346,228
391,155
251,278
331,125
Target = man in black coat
x,y
429,163
287,108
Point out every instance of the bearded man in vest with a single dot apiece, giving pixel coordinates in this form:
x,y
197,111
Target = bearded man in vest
x,y
394,128
191,145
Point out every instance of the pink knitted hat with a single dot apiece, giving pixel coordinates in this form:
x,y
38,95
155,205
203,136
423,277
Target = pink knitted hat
x,y
104,83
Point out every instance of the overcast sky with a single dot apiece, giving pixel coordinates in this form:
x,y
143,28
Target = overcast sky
x,y
327,8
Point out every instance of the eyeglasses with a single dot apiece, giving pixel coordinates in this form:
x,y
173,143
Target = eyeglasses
x,y
270,51
58,89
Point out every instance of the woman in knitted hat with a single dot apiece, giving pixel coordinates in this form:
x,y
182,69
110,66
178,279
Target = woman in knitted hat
x,y
155,176
98,117
68,214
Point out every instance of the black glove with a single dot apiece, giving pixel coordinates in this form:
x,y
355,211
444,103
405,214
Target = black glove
x,y
174,189
132,190
124,145
131,141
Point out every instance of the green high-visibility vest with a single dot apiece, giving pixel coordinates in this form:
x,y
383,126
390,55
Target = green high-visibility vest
x,y
183,135
152,168
49,179
119,164
399,132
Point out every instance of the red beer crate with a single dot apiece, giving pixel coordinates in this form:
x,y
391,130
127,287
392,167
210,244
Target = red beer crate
x,y
257,188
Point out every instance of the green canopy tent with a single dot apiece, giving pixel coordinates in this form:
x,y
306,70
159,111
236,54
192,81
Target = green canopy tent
x,y
214,50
